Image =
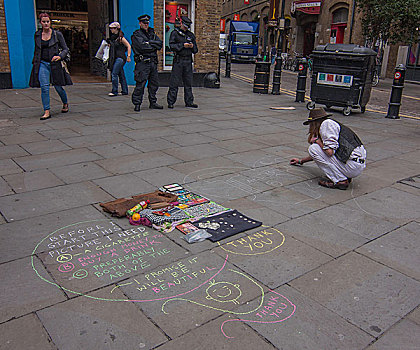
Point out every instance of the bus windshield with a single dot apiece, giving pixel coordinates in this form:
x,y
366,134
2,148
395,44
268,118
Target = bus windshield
x,y
245,39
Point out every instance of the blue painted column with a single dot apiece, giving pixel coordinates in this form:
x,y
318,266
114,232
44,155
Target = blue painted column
x,y
20,22
129,10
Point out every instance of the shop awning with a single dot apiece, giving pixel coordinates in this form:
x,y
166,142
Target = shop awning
x,y
310,7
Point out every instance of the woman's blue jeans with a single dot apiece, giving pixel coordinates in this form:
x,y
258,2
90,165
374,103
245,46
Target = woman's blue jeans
x,y
44,80
118,72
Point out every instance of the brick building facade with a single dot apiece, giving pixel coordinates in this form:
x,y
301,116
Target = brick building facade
x,y
310,23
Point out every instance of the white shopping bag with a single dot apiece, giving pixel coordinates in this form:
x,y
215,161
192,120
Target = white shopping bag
x,y
103,51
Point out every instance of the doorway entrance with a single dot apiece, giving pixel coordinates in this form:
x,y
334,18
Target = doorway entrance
x,y
82,23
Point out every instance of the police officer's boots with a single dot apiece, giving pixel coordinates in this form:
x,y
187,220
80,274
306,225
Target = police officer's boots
x,y
137,108
155,106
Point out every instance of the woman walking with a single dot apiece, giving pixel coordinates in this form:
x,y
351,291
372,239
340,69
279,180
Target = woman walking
x,y
50,50
118,46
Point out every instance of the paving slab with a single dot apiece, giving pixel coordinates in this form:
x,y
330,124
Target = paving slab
x,y
12,151
190,139
79,172
184,303
8,166
207,168
99,129
415,316
20,238
59,133
240,145
26,332
288,202
95,140
42,147
227,134
151,133
404,335
5,189
399,249
114,150
106,255
252,159
127,185
208,336
197,152
86,323
162,176
357,220
31,204
148,145
323,235
366,293
32,181
137,162
312,326
56,159
33,293
22,138
389,203
255,252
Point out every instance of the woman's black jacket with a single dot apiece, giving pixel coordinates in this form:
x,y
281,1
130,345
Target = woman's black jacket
x,y
58,75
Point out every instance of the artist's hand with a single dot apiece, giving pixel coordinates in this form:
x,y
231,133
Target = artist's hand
x,y
55,58
128,59
295,161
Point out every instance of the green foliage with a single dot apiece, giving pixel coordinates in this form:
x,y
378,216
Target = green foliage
x,y
390,20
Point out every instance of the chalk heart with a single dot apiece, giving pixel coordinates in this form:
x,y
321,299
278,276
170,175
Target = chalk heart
x,y
262,242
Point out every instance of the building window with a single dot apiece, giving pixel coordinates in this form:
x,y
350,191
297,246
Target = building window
x,y
173,11
339,24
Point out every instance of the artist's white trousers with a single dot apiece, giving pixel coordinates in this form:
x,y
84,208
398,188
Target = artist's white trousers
x,y
333,168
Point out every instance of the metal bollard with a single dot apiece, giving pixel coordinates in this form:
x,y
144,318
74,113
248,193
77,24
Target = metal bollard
x,y
396,92
277,75
261,77
228,64
301,83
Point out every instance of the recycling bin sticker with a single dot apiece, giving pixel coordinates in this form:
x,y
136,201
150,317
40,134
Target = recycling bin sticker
x,y
339,80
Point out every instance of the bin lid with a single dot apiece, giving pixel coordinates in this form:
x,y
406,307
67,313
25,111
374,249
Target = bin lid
x,y
349,49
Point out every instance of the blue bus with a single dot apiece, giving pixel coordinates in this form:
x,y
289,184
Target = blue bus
x,y
243,40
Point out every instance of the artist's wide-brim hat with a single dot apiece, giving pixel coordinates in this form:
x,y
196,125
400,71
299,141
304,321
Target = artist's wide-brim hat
x,y
316,114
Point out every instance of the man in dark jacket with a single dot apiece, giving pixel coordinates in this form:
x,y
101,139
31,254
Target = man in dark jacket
x,y
182,43
145,44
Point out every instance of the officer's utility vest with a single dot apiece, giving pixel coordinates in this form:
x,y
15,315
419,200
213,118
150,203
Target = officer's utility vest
x,y
347,142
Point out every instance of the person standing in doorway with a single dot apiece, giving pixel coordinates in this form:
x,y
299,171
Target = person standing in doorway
x,y
117,58
145,44
182,42
50,51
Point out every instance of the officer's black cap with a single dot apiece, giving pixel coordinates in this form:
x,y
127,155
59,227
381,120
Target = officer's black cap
x,y
186,21
144,18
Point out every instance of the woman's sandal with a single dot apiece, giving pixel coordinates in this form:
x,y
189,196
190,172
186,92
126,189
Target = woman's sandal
x,y
45,116
341,185
65,108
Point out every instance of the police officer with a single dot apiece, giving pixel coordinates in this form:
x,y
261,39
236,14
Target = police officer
x,y
145,44
182,43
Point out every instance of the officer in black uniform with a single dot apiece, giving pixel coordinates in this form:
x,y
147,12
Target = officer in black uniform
x,y
145,44
182,43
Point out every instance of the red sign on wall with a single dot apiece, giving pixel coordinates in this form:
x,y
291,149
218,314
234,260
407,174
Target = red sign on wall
x,y
311,7
236,17
246,2
222,25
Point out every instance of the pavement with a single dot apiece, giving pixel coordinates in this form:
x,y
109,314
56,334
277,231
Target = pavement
x,y
328,269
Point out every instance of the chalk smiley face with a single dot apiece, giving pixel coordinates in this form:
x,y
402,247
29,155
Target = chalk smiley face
x,y
223,292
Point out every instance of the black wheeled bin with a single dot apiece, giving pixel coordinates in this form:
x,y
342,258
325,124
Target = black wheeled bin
x,y
342,76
